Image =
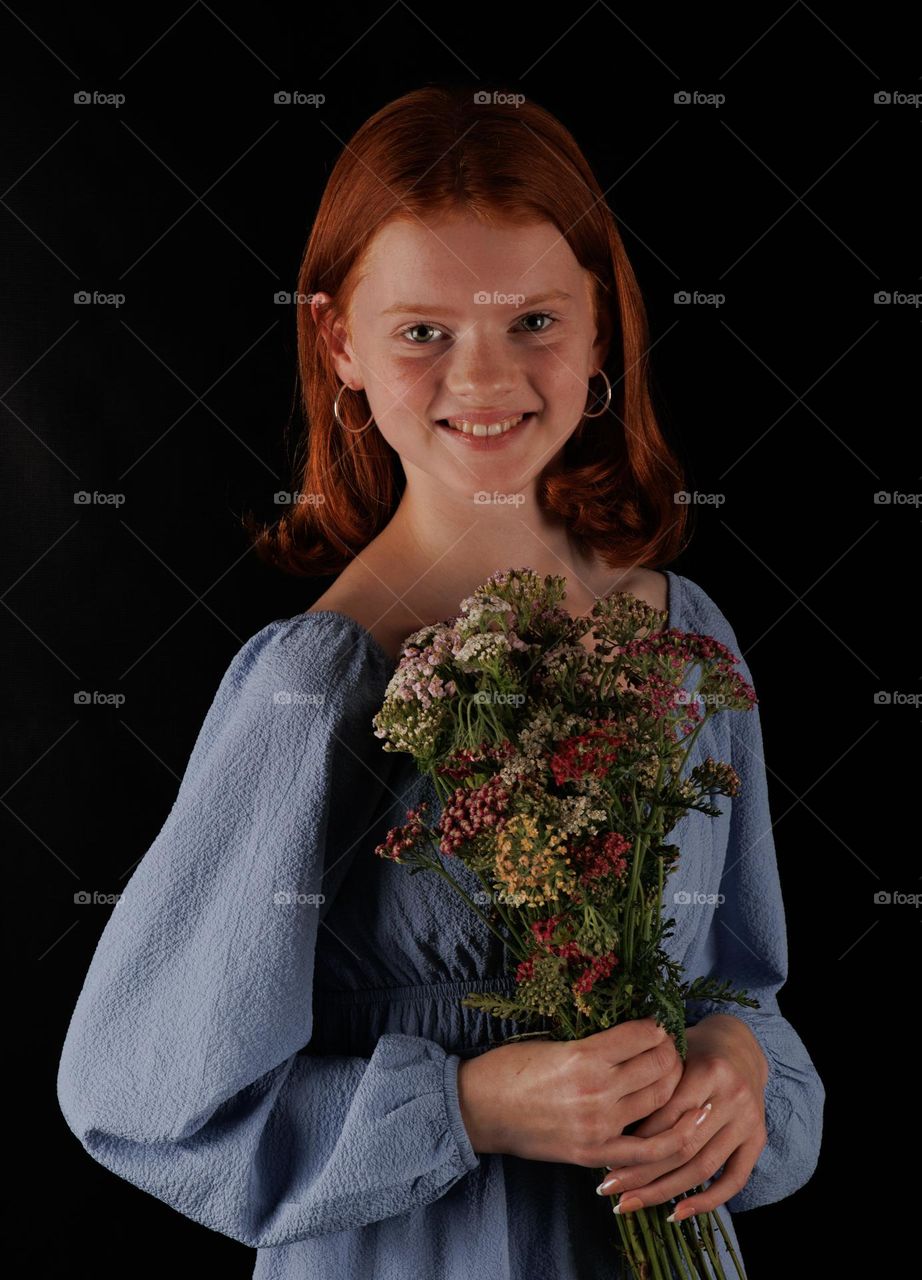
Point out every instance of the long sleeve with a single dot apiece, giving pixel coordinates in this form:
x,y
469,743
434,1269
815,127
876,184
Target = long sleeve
x,y
182,1069
748,946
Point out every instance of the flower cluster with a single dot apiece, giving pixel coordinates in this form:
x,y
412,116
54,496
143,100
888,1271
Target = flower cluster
x,y
469,812
532,863
603,855
402,841
561,797
592,752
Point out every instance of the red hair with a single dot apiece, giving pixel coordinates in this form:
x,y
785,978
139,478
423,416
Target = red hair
x,y
435,151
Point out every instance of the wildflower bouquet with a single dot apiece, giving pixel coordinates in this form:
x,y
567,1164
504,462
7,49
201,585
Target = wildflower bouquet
x,y
560,774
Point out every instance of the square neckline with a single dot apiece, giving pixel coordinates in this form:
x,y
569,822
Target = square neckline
x,y
673,607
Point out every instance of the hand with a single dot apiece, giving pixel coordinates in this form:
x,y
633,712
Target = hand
x,y
725,1066
567,1101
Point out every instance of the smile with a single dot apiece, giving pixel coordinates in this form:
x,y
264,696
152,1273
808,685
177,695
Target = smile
x,y
501,427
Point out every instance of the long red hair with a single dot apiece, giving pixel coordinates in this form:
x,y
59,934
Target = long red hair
x,y
438,150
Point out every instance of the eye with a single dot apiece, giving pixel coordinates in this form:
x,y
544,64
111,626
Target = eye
x,y
539,315
404,333
532,315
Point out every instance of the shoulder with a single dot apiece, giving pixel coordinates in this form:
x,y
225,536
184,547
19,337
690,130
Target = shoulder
x,y
361,602
649,585
698,612
311,659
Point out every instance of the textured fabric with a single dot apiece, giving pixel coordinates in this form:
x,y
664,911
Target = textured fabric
x,y
283,1069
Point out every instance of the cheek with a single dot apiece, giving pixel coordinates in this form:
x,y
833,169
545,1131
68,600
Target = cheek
x,y
401,393
561,377
401,387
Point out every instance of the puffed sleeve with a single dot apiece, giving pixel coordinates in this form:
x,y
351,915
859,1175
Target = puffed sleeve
x,y
748,946
181,1069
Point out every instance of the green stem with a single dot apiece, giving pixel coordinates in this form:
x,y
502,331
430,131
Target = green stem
x,y
652,1252
690,1259
693,1242
672,1244
729,1243
637,1258
707,1230
712,1253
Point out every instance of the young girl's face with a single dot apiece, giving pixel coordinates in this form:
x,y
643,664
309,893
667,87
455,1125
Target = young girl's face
x,y
453,319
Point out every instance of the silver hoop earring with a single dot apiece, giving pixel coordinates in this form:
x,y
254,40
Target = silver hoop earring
x,y
351,430
607,398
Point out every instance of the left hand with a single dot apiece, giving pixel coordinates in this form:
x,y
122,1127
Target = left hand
x,y
725,1066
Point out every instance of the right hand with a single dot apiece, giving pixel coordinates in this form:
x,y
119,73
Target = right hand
x,y
566,1100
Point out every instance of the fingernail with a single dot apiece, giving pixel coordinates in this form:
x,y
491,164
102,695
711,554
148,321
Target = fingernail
x,y
672,1217
703,1114
606,1185
628,1206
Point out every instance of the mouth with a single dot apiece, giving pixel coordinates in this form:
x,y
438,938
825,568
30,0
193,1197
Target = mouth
x,y
499,429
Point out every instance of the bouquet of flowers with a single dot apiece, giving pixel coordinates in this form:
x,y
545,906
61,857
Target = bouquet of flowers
x,y
559,769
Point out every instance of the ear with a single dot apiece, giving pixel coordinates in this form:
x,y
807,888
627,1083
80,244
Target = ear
x,y
334,331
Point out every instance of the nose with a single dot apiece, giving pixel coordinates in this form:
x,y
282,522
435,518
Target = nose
x,y
479,369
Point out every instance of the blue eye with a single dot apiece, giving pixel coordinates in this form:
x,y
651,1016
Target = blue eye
x,y
420,324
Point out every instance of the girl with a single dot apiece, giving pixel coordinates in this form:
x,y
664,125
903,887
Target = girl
x,y
270,1036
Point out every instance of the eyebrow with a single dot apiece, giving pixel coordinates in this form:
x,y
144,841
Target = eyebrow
x,y
439,309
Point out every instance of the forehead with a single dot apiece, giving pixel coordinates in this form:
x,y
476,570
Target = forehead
x,y
462,254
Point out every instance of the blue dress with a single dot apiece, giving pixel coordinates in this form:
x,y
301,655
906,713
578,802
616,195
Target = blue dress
x,y
269,1033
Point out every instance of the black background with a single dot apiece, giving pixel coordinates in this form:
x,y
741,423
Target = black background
x,y
194,199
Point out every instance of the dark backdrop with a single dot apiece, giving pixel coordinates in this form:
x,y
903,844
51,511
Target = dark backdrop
x,y
193,198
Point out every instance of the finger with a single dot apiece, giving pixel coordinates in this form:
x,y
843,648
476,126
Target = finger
x,y
736,1174
709,1160
625,1041
641,1086
692,1092
681,1143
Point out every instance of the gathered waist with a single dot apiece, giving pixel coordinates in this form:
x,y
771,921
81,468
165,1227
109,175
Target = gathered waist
x,y
352,1021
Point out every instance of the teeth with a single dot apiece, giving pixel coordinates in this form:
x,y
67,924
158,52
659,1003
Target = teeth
x,y
483,428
